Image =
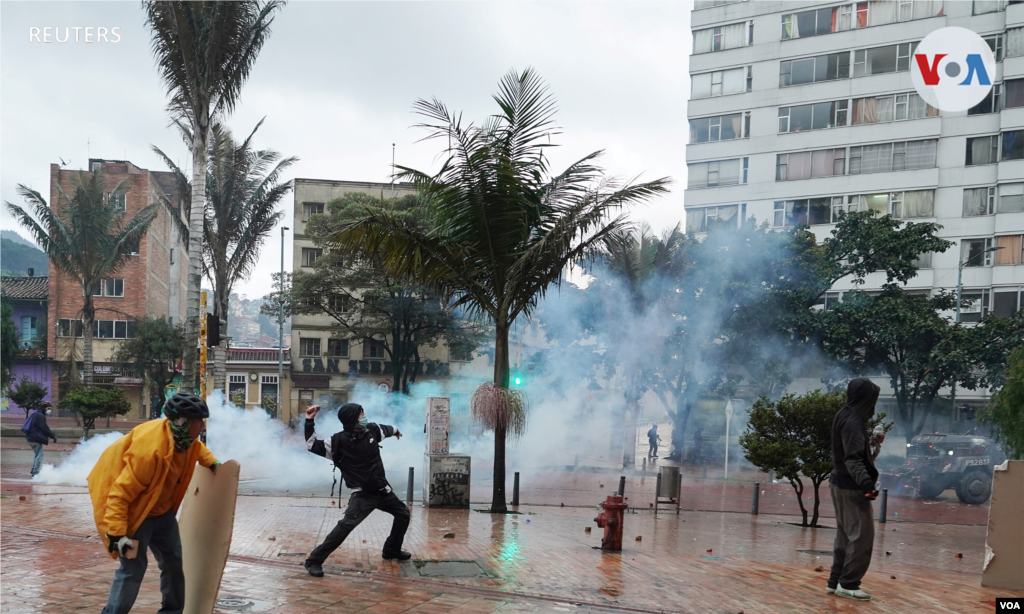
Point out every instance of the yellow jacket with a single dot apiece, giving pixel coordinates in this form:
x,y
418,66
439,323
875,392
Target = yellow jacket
x,y
128,478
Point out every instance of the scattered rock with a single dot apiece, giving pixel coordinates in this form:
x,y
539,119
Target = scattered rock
x,y
586,530
600,485
639,538
709,550
892,577
364,541
272,538
888,553
819,568
959,555
651,504
449,536
563,505
21,497
332,502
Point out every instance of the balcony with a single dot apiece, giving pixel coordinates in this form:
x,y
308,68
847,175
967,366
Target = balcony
x,y
257,355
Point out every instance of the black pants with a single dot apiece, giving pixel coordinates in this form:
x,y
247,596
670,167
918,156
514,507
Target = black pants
x,y
359,507
654,449
855,537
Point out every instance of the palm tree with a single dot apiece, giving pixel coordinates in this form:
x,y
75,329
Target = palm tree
x,y
243,187
205,51
646,265
87,238
503,228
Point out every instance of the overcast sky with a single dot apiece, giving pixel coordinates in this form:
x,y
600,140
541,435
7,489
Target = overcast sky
x,y
337,80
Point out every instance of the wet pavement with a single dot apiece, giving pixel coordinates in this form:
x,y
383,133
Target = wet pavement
x,y
541,560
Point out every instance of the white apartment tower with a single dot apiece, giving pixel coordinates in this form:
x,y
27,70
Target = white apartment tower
x,y
799,110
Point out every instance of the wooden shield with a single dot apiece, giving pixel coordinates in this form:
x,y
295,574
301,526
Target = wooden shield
x,y
207,519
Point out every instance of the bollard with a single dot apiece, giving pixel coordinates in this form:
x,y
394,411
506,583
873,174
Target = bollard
x,y
515,489
622,486
881,508
408,492
757,494
679,497
705,471
657,493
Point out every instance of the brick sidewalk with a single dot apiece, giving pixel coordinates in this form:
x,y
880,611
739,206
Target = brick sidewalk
x,y
534,561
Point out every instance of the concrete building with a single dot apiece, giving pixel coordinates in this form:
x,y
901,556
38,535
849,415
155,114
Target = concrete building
x,y
800,110
325,364
151,283
252,381
27,297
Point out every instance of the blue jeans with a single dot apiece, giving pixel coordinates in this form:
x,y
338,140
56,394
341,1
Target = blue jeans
x,y
159,533
38,460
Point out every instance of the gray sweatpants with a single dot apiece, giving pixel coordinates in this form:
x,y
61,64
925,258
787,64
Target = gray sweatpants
x,y
855,537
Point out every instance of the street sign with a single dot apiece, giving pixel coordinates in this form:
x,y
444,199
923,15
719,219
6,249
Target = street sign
x,y
383,387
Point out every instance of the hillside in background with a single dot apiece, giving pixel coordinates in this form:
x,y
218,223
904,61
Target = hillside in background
x,y
17,255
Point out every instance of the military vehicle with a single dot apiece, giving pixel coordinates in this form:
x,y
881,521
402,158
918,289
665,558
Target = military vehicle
x,y
938,462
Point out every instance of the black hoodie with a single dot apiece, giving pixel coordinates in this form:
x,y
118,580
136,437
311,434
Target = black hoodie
x,y
853,466
355,450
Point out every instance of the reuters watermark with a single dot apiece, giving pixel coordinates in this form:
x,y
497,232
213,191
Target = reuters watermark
x,y
74,34
953,69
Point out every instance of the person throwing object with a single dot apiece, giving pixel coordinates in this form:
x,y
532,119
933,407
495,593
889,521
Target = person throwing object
x,y
852,485
356,452
136,488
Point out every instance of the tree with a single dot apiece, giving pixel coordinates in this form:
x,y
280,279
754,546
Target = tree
x,y
1007,410
87,238
205,51
502,227
95,402
243,190
154,352
8,343
793,437
29,394
368,303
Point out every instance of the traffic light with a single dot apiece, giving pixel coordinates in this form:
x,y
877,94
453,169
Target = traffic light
x,y
213,324
516,378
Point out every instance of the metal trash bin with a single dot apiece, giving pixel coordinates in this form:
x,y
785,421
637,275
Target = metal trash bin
x,y
669,482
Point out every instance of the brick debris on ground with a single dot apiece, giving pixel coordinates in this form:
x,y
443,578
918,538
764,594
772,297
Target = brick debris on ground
x,y
540,560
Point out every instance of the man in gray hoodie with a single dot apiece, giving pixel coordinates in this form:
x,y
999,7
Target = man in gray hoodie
x,y
852,484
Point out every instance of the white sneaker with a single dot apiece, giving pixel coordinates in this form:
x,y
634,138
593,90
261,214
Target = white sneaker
x,y
829,590
856,593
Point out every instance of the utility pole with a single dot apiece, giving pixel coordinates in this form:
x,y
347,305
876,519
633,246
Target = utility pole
x,y
392,169
280,329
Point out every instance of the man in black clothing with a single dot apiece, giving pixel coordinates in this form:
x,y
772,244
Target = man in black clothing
x,y
38,434
652,440
356,452
852,485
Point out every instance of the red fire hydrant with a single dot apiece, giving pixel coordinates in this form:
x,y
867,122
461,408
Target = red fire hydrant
x,y
611,521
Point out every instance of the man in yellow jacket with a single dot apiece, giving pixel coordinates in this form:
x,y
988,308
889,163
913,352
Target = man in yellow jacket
x,y
136,488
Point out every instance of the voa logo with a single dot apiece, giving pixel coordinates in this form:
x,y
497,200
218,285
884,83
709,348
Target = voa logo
x,y
953,69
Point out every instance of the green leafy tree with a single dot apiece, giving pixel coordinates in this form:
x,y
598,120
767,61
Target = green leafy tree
x,y
29,394
367,302
154,352
96,402
243,190
1007,411
502,228
8,343
205,51
86,236
792,436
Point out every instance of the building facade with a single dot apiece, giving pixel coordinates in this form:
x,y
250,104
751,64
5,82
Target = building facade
x,y
27,297
326,365
151,283
801,110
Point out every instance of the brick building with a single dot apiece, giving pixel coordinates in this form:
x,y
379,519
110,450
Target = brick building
x,y
151,283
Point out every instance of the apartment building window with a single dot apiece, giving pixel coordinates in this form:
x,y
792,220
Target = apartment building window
x,y
1010,249
982,150
828,300
309,347
113,329
69,328
309,209
339,303
884,157
373,348
721,38
113,287
992,102
1013,93
973,254
856,15
810,164
813,116
805,212
809,23
119,200
923,261
979,201
912,204
700,219
991,6
1011,198
1014,41
1013,145
995,43
882,60
814,69
337,348
975,305
721,83
310,255
1007,301
891,107
720,128
29,332
717,173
